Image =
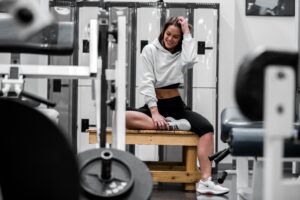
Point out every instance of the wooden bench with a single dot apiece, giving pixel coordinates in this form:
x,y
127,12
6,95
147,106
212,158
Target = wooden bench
x,y
185,172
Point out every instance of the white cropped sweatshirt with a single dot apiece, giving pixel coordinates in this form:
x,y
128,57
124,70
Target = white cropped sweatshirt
x,y
162,68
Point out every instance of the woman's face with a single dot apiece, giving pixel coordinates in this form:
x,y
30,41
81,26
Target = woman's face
x,y
172,36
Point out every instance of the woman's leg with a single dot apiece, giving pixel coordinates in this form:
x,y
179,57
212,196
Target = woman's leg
x,y
205,149
201,126
138,120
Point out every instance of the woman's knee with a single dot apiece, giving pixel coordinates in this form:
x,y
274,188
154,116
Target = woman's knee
x,y
200,125
203,129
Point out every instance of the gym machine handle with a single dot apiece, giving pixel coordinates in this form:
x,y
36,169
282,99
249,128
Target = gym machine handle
x,y
222,178
37,98
219,156
215,155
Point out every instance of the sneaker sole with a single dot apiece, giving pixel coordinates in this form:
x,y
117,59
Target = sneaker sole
x,y
212,193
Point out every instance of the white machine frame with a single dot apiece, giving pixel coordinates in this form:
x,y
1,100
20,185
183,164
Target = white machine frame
x,y
267,181
81,72
55,71
119,75
279,109
118,122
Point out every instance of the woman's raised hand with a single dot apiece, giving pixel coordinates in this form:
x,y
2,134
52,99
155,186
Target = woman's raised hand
x,y
184,24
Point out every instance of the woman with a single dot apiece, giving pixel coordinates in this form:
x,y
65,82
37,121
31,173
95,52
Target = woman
x,y
164,62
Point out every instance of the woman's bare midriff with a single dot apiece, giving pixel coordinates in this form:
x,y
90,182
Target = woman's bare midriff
x,y
166,93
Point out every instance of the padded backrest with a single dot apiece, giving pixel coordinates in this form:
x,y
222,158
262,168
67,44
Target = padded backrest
x,y
231,117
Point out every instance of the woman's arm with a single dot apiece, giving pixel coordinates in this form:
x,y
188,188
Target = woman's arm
x,y
148,77
189,49
188,52
148,90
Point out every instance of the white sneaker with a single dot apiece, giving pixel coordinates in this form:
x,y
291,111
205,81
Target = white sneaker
x,y
209,187
179,124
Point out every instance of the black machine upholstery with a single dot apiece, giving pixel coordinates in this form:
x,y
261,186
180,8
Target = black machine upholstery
x,y
231,118
242,126
245,137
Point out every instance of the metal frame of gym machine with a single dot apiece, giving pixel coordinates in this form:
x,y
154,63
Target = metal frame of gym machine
x,y
115,184
279,116
50,71
279,95
60,71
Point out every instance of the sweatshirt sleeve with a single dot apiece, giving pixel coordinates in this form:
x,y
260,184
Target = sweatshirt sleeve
x,y
189,52
148,78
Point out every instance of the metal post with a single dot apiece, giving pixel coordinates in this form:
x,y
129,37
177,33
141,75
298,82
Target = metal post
x,y
102,49
118,140
279,116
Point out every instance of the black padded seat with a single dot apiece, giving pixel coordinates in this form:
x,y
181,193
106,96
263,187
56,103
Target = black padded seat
x,y
249,142
231,118
245,137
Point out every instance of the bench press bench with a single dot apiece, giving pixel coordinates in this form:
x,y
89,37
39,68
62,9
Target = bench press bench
x,y
185,172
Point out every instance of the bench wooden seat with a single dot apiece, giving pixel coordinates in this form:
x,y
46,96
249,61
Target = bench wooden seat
x,y
185,172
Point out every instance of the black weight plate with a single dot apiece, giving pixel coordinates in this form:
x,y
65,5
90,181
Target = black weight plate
x,y
118,185
249,85
142,185
36,159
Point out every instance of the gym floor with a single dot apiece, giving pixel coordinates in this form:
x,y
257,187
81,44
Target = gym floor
x,y
175,192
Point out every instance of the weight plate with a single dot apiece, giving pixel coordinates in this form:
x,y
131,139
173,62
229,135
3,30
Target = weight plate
x,y
141,188
36,159
116,185
249,85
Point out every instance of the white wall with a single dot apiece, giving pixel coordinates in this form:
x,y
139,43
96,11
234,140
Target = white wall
x,y
271,32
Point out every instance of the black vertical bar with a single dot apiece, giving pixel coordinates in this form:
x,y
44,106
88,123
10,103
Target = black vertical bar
x,y
297,100
103,48
74,89
132,94
216,168
217,78
189,81
163,16
162,22
106,159
132,76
